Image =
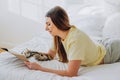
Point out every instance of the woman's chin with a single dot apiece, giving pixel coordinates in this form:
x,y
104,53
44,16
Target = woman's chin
x,y
51,34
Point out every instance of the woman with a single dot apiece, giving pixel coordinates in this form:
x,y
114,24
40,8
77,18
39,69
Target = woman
x,y
72,45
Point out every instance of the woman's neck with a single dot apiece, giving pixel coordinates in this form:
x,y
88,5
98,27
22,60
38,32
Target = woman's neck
x,y
63,34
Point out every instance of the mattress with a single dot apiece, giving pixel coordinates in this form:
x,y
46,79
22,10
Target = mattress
x,y
11,68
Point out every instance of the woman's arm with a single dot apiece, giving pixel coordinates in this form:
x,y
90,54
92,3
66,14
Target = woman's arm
x,y
73,67
51,53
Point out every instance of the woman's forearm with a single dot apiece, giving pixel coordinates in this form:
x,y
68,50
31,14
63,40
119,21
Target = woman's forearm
x,y
72,70
73,67
51,53
59,72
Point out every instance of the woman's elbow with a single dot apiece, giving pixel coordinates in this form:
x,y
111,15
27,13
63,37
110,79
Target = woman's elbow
x,y
72,74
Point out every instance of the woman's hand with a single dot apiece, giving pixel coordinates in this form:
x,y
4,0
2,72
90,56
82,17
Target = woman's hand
x,y
32,65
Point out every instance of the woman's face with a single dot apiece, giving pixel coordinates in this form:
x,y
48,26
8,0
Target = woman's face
x,y
50,27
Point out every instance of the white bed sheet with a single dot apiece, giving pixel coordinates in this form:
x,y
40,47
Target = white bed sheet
x,y
12,68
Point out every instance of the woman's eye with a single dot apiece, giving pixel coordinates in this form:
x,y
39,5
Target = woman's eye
x,y
48,24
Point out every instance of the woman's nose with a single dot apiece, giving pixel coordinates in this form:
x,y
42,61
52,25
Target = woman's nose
x,y
46,28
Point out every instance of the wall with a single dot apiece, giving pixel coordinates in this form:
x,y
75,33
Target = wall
x,y
15,29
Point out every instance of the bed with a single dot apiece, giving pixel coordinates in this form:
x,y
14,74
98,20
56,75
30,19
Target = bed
x,y
11,68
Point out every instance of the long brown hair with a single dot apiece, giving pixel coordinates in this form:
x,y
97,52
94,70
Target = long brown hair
x,y
60,18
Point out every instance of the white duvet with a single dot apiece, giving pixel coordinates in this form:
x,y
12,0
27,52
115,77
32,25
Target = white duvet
x,y
11,68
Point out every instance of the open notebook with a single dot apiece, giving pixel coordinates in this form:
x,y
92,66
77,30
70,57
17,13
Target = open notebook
x,y
20,56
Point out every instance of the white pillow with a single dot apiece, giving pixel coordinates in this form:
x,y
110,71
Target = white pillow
x,y
93,10
91,24
111,7
36,44
112,26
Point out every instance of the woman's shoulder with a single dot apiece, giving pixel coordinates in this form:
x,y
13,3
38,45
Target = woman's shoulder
x,y
76,34
74,31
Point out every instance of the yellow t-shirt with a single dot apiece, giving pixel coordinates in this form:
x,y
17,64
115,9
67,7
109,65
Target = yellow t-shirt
x,y
79,46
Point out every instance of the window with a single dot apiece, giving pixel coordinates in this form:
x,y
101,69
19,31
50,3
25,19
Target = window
x,y
32,9
36,9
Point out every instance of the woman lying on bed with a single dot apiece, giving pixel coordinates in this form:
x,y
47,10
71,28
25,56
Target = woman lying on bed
x,y
72,46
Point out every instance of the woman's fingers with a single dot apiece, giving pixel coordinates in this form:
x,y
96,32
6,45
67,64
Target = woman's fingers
x,y
28,64
32,66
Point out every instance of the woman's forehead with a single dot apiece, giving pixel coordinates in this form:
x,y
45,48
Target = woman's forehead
x,y
48,19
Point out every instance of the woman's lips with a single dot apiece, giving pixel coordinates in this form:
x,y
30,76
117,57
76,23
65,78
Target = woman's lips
x,y
50,32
